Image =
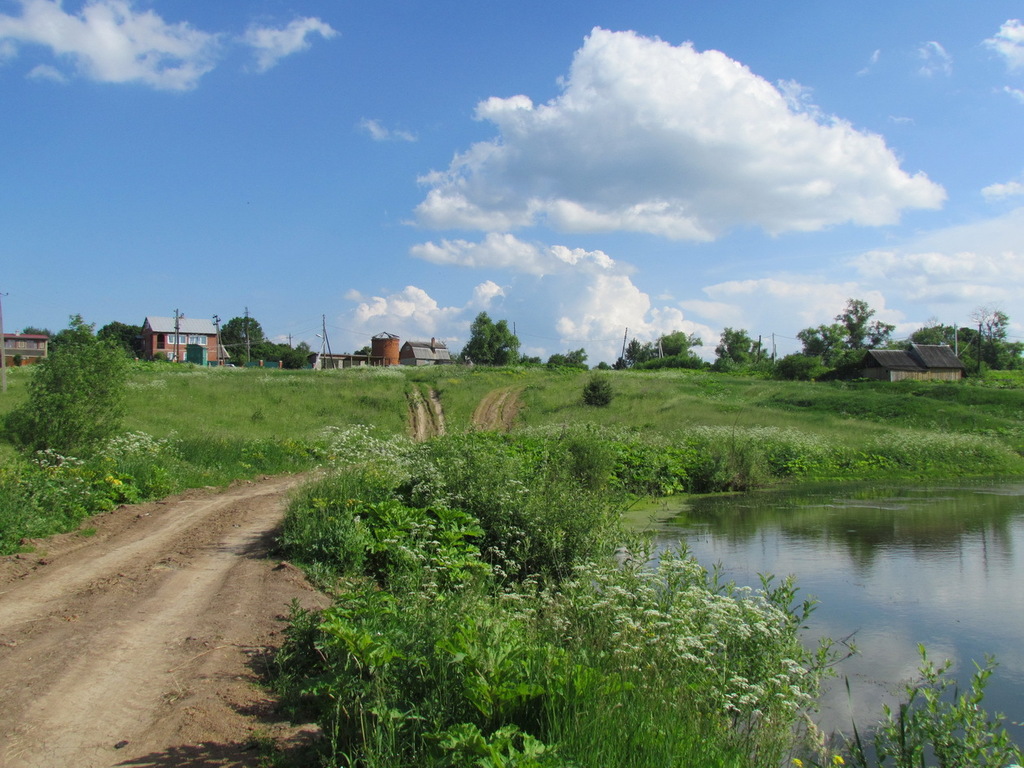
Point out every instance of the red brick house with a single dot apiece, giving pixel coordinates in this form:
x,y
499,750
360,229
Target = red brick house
x,y
188,340
24,348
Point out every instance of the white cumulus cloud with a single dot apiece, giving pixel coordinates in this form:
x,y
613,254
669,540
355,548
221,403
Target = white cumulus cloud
x,y
650,137
505,251
273,44
955,269
110,41
1008,42
1003,190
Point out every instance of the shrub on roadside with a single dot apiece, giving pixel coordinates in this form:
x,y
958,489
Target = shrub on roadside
x,y
76,395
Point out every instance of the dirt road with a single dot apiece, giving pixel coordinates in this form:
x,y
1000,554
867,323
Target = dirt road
x,y
497,411
426,416
142,644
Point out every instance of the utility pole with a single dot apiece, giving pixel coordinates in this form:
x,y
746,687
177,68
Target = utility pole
x,y
3,347
979,347
624,336
246,331
327,343
216,352
177,336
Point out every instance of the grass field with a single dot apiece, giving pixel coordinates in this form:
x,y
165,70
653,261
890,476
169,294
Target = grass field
x,y
268,403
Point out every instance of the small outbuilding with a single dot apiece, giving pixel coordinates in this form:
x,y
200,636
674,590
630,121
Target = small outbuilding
x,y
922,362
431,352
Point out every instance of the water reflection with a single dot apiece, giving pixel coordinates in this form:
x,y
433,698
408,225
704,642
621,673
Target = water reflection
x,y
891,566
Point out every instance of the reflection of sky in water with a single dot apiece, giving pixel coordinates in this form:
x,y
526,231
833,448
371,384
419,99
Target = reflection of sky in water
x,y
940,567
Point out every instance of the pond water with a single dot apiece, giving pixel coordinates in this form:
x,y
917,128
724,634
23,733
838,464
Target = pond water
x,y
892,567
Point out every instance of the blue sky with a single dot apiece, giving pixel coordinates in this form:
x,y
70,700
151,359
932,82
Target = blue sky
x,y
577,168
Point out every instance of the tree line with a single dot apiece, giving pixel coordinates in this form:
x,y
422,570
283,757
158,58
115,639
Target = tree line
x,y
242,337
830,350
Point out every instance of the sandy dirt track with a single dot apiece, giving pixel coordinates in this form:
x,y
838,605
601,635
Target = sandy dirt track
x,y
426,416
498,410
143,644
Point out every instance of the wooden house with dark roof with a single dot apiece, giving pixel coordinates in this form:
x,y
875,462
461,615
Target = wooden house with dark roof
x,y
431,352
922,362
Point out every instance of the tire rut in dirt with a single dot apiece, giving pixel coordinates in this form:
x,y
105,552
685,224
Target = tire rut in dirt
x,y
119,642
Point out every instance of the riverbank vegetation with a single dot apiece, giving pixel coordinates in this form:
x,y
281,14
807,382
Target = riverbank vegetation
x,y
481,617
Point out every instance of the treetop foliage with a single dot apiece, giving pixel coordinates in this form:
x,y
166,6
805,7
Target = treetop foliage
x,y
491,343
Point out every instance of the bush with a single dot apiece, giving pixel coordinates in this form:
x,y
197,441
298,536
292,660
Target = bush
x,y
76,395
799,368
598,391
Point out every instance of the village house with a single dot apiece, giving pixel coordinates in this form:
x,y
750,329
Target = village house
x,y
922,362
24,348
188,340
431,352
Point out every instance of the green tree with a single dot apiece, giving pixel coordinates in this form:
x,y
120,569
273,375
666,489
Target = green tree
x,y
678,343
826,342
128,337
34,331
293,357
243,338
736,348
995,351
576,358
635,354
841,345
75,396
861,331
491,343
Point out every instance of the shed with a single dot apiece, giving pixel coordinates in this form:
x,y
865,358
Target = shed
x,y
923,362
431,352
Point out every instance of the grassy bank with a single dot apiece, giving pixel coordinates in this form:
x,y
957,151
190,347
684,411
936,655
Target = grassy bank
x,y
481,619
675,431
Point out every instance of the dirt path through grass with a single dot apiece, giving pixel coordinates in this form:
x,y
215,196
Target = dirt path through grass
x,y
497,411
142,644
426,417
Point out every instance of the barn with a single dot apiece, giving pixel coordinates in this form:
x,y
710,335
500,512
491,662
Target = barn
x,y
922,362
431,352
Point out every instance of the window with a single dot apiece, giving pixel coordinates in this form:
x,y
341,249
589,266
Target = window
x,y
196,338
